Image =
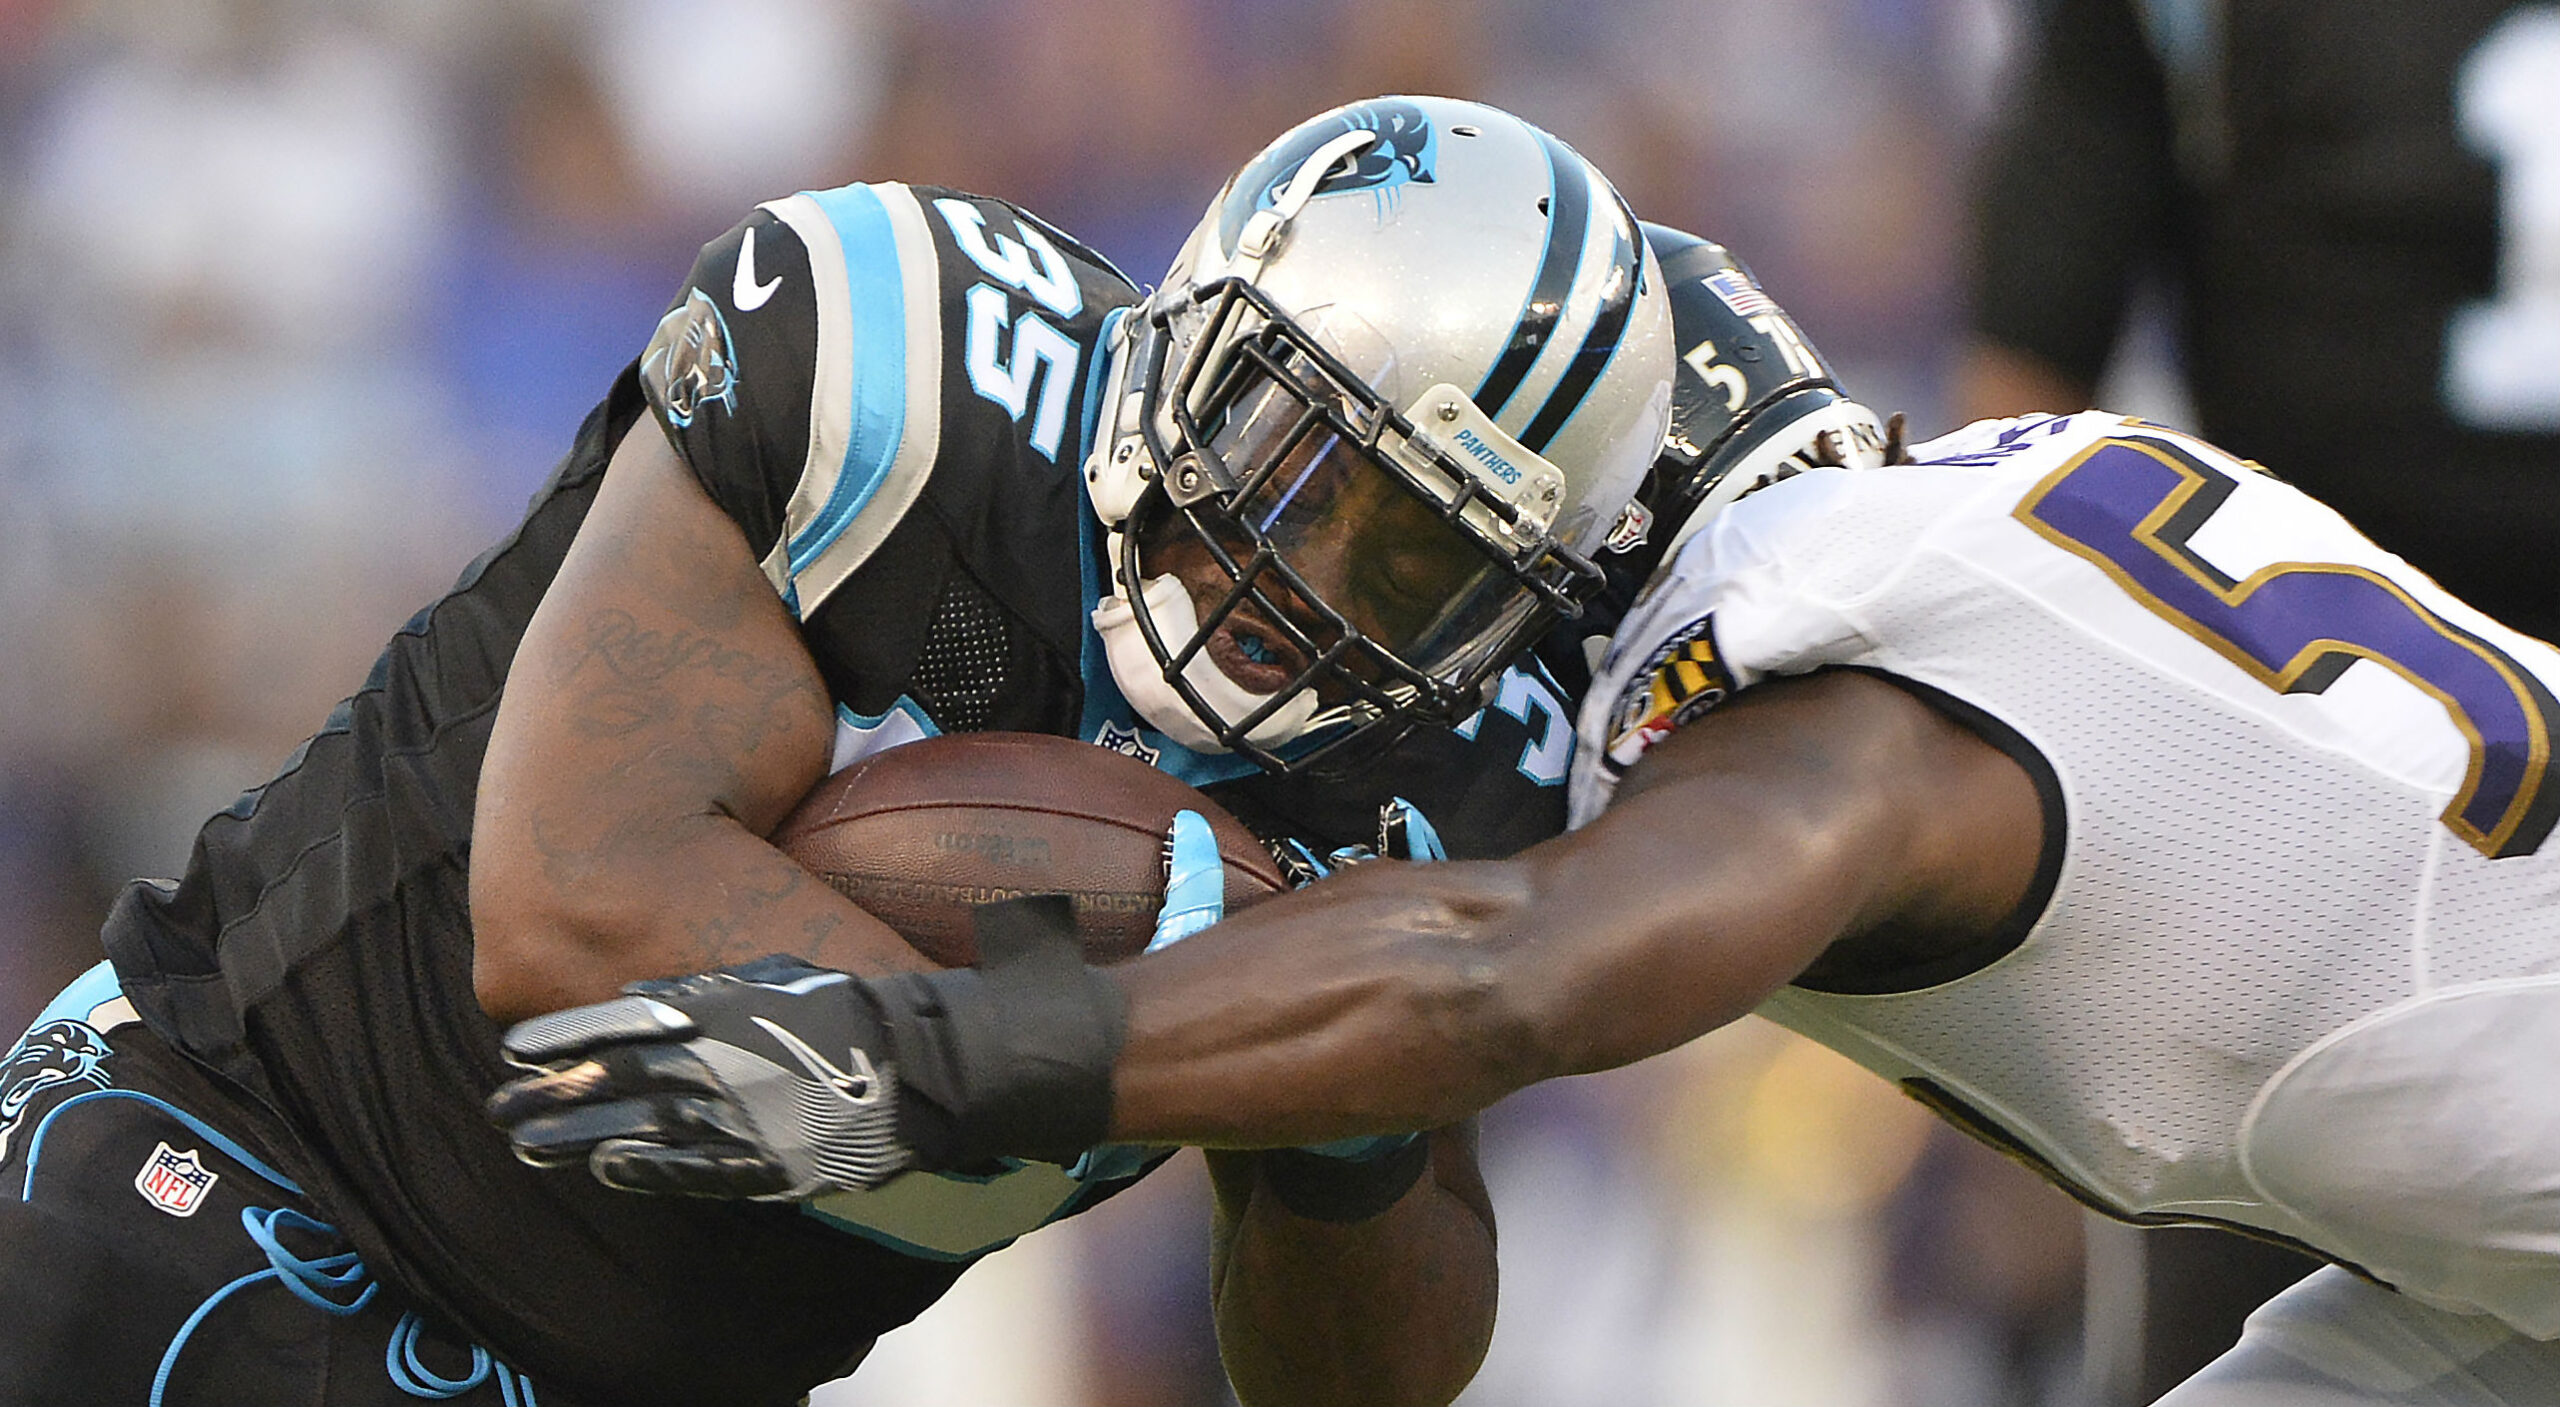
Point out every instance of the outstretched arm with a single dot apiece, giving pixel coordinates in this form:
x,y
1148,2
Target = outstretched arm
x,y
1834,815
661,716
1738,851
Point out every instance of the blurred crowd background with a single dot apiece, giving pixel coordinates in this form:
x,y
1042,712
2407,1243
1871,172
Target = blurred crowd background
x,y
299,299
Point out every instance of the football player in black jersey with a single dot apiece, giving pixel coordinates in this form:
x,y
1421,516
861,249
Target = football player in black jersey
x,y
899,461
2345,201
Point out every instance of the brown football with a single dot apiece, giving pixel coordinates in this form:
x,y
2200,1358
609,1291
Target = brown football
x,y
920,834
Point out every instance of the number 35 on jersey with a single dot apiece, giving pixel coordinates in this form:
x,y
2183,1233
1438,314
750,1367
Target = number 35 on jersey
x,y
1013,359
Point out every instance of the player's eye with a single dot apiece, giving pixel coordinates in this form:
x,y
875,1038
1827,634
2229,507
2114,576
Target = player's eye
x,y
1414,578
1416,581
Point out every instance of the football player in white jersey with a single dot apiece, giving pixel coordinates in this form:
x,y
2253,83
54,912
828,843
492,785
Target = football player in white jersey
x,y
2106,793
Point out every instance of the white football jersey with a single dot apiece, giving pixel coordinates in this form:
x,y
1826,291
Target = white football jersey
x,y
2299,968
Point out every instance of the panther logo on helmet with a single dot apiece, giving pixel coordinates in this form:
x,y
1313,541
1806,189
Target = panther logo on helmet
x,y
60,1052
1407,151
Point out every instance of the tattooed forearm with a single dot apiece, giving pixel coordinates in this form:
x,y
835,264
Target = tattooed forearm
x,y
744,926
617,641
626,679
661,716
817,932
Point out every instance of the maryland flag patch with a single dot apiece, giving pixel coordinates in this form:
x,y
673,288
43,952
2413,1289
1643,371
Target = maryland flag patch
x,y
1683,678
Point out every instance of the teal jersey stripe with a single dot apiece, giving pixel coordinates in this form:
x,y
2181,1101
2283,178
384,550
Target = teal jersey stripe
x,y
876,309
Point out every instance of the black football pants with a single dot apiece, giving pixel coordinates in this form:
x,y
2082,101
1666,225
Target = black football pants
x,y
152,1256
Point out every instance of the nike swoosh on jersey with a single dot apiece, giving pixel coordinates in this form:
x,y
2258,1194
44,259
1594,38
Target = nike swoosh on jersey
x,y
745,293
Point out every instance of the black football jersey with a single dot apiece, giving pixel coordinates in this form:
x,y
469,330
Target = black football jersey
x,y
889,389
928,525
2341,192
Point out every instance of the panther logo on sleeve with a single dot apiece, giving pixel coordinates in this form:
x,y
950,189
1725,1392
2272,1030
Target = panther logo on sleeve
x,y
688,364
1683,678
54,1054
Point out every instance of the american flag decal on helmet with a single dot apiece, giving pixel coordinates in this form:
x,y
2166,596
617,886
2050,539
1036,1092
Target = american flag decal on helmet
x,y
1740,293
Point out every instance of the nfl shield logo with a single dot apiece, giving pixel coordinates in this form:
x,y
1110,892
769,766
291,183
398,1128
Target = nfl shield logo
x,y
1127,742
175,1182
1631,529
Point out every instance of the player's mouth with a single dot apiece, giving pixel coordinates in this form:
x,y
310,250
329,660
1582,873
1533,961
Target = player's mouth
x,y
1256,656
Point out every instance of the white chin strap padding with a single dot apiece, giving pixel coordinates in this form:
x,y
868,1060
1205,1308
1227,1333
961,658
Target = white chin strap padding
x,y
1142,680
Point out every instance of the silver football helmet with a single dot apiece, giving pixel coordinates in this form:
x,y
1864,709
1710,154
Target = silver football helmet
x,y
1401,381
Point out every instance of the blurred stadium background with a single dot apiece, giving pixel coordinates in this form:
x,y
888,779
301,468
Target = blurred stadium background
x,y
301,299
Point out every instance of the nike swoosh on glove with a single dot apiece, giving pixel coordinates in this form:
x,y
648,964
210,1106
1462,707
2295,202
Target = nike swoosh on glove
x,y
768,1080
776,1080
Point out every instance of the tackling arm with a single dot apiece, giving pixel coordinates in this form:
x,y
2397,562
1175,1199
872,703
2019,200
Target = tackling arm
x,y
1738,851
660,718
1807,813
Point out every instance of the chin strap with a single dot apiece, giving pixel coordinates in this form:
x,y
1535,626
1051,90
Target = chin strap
x,y
1114,485
1142,681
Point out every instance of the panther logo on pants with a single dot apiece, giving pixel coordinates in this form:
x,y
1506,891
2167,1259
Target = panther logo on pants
x,y
57,1053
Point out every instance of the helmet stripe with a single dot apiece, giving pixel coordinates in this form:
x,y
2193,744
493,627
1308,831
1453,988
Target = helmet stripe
x,y
1608,324
1555,278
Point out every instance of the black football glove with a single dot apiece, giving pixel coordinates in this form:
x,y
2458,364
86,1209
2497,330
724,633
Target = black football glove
x,y
776,1080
